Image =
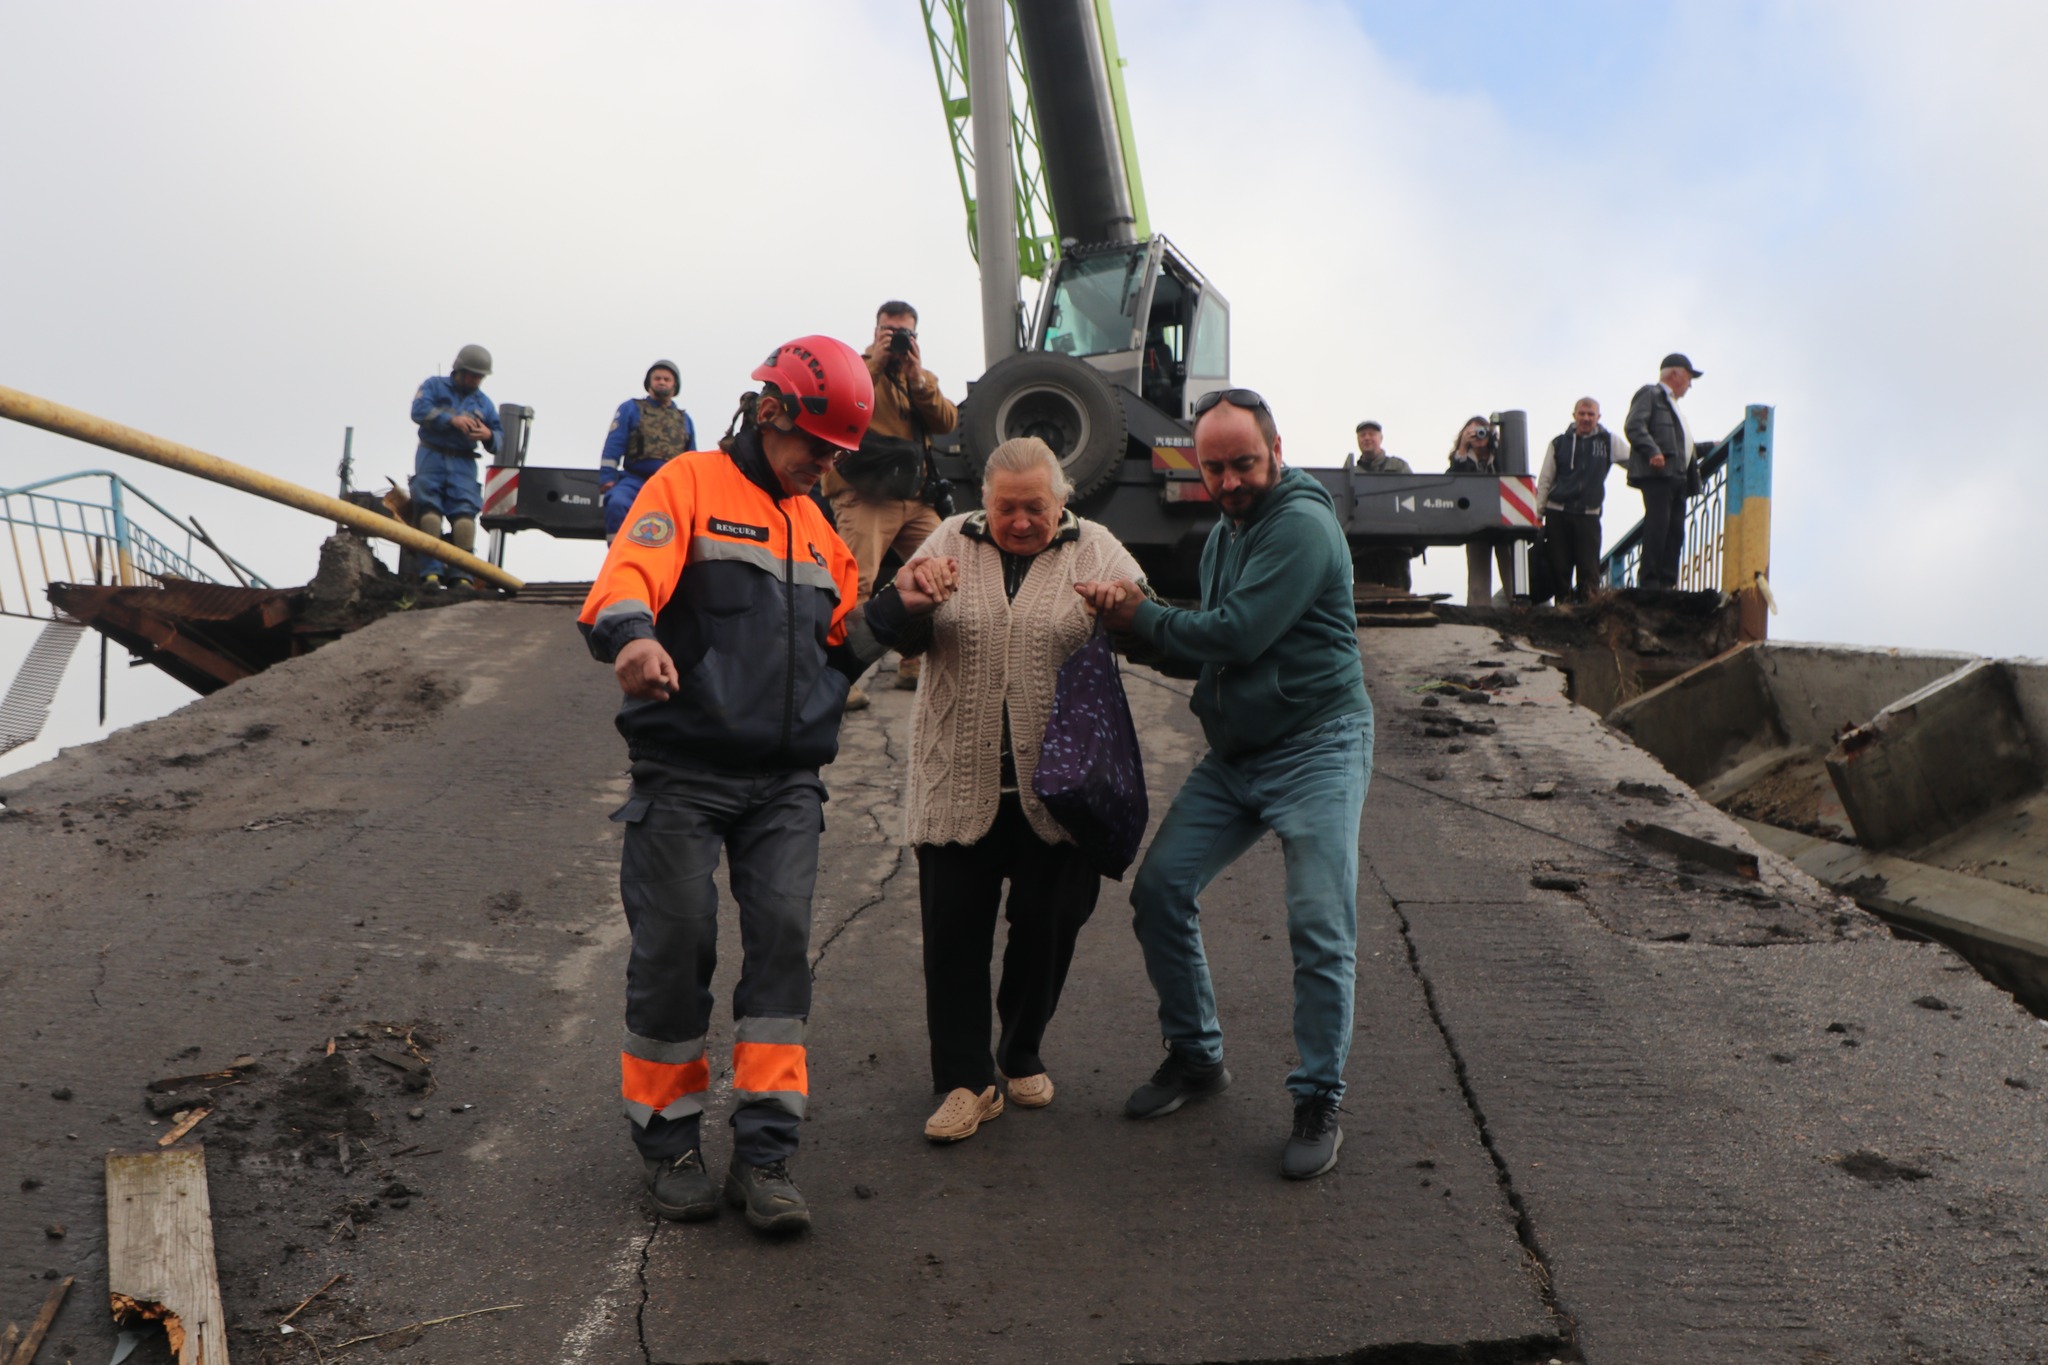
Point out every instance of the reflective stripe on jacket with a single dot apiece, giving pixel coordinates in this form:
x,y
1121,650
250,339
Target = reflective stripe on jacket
x,y
749,589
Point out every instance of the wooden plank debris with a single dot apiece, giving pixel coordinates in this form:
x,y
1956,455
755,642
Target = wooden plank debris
x,y
25,1353
160,1264
1705,852
184,1126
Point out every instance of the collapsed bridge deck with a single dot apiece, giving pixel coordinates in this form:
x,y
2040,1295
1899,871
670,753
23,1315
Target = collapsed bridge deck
x,y
1645,1111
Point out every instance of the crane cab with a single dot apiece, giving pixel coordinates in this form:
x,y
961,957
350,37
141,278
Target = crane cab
x,y
1143,316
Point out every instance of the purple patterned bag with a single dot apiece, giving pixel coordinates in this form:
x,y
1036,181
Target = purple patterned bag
x,y
1090,775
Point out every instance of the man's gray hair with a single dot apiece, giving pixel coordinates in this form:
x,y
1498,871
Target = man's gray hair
x,y
1022,455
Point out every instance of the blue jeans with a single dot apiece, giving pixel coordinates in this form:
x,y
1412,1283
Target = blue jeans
x,y
1309,790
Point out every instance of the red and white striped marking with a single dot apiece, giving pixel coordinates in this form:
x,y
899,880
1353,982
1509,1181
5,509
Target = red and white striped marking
x,y
1518,501
501,490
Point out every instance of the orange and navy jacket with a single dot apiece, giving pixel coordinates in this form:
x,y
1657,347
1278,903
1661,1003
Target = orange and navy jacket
x,y
751,592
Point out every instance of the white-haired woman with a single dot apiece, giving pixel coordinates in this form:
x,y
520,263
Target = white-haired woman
x,y
993,652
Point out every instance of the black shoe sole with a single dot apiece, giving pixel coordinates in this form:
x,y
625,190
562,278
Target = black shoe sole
x,y
686,1213
781,1224
1323,1169
1178,1100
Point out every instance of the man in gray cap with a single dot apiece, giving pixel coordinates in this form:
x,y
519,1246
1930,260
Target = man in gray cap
x,y
1663,463
1383,564
454,416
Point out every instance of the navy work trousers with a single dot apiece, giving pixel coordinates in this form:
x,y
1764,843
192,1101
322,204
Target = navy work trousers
x,y
677,821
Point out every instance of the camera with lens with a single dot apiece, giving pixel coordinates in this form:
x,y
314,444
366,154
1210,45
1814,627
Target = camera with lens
x,y
899,340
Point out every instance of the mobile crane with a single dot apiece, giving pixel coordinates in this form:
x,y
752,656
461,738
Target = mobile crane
x,y
1128,335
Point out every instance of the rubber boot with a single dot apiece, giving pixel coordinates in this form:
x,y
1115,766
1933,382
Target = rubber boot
x,y
463,537
428,522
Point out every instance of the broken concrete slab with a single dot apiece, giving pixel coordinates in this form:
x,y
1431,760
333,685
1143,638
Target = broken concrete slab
x,y
1934,760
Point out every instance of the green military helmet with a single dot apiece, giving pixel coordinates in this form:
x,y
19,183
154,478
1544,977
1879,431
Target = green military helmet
x,y
473,358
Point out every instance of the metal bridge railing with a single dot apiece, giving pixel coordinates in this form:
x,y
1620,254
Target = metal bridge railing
x,y
71,538
1733,475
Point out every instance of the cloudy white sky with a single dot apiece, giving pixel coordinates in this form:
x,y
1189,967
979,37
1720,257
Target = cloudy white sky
x,y
247,226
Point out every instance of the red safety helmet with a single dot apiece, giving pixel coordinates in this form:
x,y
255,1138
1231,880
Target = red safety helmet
x,y
827,385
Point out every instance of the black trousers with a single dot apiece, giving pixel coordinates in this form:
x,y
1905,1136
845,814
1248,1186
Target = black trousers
x,y
1573,542
1052,894
1663,532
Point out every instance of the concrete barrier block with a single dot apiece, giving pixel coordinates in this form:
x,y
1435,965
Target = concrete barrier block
x,y
1934,760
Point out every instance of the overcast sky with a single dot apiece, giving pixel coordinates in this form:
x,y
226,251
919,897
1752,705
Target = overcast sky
x,y
249,226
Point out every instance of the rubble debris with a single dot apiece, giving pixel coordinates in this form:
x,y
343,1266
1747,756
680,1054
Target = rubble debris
x,y
1543,791
1703,851
17,1348
1644,791
55,1232
303,1303
233,1071
62,1092
418,1329
160,1264
1874,1169
1931,1002
184,1125
1555,883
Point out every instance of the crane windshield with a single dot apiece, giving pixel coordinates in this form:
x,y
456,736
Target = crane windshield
x,y
1094,304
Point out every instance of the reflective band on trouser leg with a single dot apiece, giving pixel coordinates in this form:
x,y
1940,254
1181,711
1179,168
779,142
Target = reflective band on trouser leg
x,y
668,1079
768,1064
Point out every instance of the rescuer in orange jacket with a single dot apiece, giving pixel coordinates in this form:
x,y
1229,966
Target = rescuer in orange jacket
x,y
726,609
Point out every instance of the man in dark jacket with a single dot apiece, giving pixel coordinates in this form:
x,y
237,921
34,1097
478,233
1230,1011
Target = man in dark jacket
x,y
725,608
1570,490
1282,702
1661,458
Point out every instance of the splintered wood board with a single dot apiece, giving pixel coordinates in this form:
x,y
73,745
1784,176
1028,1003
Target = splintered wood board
x,y
160,1249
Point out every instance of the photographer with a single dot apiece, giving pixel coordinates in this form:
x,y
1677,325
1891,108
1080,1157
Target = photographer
x,y
883,494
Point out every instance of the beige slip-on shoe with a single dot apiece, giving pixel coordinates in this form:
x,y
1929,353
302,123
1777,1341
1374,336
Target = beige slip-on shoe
x,y
1033,1092
962,1114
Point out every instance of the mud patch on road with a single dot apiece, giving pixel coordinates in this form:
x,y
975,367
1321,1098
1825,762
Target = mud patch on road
x,y
396,699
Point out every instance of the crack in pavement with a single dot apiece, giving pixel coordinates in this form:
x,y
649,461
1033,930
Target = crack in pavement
x,y
640,1314
1525,1225
881,894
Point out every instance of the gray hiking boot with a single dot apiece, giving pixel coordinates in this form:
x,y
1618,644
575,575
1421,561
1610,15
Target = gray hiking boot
x,y
771,1199
1177,1081
680,1188
1312,1146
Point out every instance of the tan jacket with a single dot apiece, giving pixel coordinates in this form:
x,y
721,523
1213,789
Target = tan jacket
x,y
989,651
895,402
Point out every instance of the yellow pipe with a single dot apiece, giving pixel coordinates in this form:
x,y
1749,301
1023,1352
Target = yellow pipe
x,y
83,426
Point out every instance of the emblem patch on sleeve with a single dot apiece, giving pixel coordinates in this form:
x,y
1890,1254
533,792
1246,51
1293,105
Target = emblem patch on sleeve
x,y
653,530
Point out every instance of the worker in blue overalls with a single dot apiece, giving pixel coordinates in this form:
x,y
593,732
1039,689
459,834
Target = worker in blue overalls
x,y
645,434
455,416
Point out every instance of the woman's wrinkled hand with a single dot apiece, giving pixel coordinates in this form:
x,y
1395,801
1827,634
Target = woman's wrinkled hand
x,y
924,583
1114,601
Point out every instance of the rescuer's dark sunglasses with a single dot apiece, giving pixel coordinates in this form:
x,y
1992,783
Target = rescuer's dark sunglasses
x,y
1237,398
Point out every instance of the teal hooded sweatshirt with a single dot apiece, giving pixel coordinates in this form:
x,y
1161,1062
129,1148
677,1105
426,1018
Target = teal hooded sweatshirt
x,y
1277,633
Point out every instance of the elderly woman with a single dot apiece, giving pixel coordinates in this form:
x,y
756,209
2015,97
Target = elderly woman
x,y
1474,453
995,648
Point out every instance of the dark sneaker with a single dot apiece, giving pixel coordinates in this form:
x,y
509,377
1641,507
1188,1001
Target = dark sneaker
x,y
1177,1081
680,1189
771,1199
1312,1147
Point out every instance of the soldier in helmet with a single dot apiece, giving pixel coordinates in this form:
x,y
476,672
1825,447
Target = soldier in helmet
x,y
645,434
455,416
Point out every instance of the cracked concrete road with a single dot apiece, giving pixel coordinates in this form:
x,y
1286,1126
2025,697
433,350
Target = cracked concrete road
x,y
1660,1116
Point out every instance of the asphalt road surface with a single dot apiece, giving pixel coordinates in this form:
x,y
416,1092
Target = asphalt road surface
x,y
1649,1113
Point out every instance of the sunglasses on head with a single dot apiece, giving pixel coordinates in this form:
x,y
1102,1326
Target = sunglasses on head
x,y
1237,398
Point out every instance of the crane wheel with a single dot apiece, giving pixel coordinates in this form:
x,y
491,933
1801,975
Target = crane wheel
x,y
1064,402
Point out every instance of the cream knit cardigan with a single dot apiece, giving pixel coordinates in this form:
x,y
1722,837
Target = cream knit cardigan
x,y
987,650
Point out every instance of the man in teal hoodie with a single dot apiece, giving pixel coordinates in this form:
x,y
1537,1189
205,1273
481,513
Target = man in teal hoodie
x,y
1282,701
